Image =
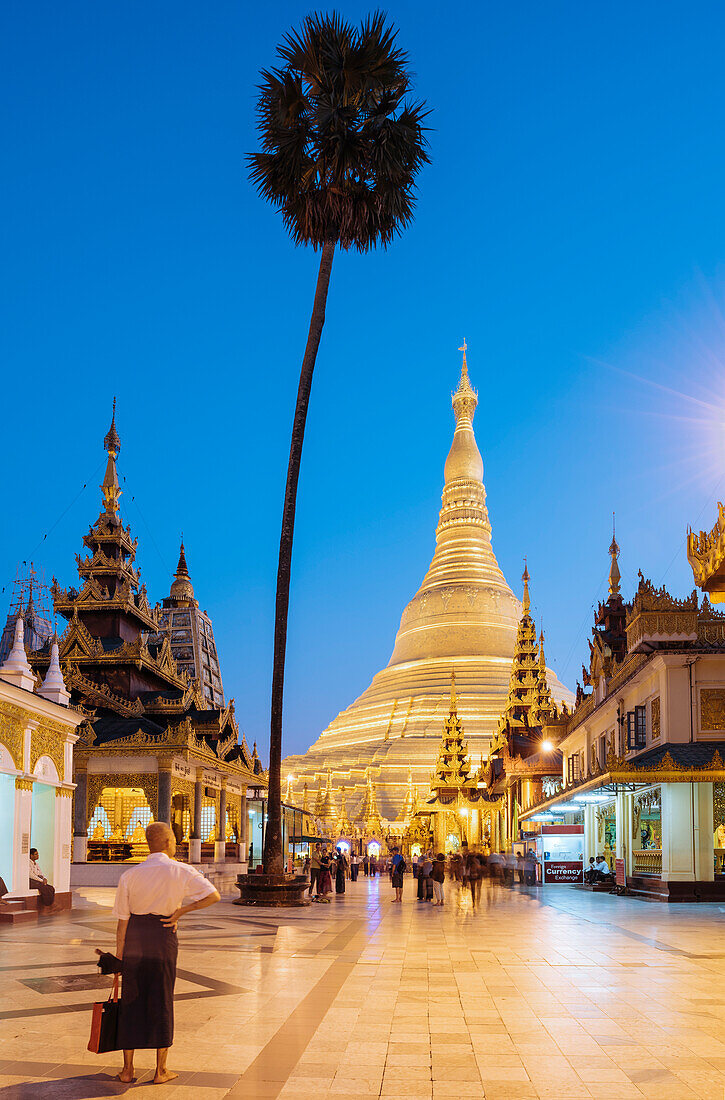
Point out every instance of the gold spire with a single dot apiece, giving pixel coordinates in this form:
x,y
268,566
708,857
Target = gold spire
x,y
526,578
110,488
407,809
305,800
614,574
329,809
453,765
181,586
319,799
465,398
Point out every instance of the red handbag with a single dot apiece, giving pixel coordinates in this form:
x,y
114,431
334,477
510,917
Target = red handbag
x,y
104,1023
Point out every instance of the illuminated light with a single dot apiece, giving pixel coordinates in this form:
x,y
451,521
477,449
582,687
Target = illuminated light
x,y
547,746
463,812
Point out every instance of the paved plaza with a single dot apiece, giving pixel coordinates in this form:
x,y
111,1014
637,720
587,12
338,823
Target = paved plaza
x,y
541,993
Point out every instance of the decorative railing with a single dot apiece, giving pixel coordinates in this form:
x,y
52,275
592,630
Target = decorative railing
x,y
648,862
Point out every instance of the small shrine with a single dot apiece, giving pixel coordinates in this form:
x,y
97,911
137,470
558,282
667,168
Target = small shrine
x,y
37,735
459,805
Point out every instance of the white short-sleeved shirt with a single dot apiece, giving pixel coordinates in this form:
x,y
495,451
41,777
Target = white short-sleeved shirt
x,y
159,885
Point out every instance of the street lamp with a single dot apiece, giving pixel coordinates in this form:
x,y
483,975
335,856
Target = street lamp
x,y
547,746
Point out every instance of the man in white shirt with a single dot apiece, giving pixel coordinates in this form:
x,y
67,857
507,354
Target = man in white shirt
x,y
602,868
149,902
38,881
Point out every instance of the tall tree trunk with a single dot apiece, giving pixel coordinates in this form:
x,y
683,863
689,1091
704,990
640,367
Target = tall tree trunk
x,y
272,857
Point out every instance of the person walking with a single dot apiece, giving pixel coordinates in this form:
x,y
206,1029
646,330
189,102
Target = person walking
x,y
148,906
373,866
438,876
354,866
314,870
339,871
366,865
397,870
38,881
473,872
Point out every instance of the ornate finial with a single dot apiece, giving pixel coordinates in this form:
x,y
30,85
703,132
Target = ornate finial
x,y
614,574
181,586
111,442
465,398
542,658
110,488
527,599
454,700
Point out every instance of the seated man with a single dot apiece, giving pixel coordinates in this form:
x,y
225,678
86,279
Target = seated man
x,y
602,870
39,882
590,875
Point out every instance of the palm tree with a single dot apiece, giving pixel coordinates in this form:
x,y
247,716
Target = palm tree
x,y
341,146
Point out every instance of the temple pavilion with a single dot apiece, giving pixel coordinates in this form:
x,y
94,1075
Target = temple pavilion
x,y
153,743
643,753
464,617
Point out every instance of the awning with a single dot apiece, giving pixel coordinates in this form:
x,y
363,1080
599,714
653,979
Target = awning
x,y
686,762
305,839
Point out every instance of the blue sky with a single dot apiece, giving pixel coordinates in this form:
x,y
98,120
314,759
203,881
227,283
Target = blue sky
x,y
570,226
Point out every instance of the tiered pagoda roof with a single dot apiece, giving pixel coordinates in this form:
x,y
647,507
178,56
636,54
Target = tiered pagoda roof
x,y
369,814
453,765
119,670
529,706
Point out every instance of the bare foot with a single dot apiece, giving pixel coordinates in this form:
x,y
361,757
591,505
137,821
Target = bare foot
x,y
127,1078
162,1078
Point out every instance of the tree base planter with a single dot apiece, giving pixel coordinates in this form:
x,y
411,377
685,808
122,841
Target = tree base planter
x,y
276,891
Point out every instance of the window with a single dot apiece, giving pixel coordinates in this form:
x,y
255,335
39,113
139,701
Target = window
x,y
573,774
637,728
603,751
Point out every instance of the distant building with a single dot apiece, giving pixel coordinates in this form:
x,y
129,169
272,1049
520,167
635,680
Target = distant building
x,y
29,603
191,634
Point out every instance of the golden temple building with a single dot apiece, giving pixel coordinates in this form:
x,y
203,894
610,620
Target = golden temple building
x,y
153,743
463,619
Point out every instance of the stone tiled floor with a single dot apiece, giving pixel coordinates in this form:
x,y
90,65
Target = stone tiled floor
x,y
554,993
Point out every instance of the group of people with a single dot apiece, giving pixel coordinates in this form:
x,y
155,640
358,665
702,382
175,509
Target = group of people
x,y
598,871
324,867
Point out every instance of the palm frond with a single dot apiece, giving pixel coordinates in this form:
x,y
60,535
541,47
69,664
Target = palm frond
x,y
341,141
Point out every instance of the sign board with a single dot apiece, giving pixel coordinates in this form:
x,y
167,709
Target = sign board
x,y
620,873
211,779
559,871
235,787
256,792
181,769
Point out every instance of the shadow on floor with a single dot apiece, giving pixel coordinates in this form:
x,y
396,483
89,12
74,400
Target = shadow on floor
x,y
86,1087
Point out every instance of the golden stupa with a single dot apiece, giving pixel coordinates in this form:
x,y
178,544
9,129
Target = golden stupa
x,y
462,619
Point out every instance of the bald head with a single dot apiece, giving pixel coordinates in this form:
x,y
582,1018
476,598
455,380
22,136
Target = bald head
x,y
160,838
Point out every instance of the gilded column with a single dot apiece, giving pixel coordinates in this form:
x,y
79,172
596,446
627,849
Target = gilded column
x,y
243,829
221,826
195,841
80,817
